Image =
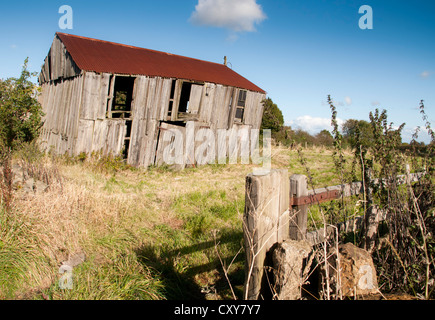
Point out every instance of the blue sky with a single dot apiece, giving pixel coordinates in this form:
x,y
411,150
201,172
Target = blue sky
x,y
298,51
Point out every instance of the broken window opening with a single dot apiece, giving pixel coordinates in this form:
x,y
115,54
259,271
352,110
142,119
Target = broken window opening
x,y
241,104
242,98
122,98
186,89
185,100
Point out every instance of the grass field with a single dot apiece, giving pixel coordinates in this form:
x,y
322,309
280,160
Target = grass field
x,y
146,234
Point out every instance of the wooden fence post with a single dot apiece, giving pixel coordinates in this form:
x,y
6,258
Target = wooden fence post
x,y
298,214
371,215
265,223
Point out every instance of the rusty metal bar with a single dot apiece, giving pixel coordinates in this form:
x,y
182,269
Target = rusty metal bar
x,y
315,198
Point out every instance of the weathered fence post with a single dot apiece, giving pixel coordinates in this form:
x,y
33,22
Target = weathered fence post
x,y
371,215
265,222
299,213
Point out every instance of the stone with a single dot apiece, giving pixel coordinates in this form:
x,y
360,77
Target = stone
x,y
27,184
357,274
288,263
75,260
40,187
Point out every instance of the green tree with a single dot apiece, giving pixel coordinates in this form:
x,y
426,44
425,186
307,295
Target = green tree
x,y
20,111
272,117
20,121
358,132
301,137
324,138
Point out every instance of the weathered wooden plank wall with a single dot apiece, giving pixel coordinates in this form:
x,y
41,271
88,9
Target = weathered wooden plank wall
x,y
196,96
149,107
170,149
75,116
58,64
59,101
77,106
95,96
97,133
206,112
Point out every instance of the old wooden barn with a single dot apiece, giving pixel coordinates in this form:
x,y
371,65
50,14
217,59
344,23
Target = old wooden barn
x,y
108,98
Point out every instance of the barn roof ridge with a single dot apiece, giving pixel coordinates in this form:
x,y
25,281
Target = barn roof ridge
x,y
135,47
142,61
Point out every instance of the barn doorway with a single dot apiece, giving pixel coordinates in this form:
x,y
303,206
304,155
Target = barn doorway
x,y
122,106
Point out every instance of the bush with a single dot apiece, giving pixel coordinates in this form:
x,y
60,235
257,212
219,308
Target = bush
x,y
272,117
405,257
20,121
20,112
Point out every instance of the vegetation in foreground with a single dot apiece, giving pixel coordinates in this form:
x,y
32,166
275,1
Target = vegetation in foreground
x,y
155,234
160,234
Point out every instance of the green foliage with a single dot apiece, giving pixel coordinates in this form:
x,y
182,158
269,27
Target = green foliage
x,y
324,138
110,164
203,212
272,116
273,119
20,121
20,112
338,155
17,253
124,278
406,263
357,132
284,136
300,136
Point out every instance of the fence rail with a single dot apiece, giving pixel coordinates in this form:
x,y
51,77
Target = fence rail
x,y
348,190
276,209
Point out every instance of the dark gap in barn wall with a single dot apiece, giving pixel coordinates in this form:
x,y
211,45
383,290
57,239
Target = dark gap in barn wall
x,y
185,97
241,104
121,106
49,66
181,124
123,95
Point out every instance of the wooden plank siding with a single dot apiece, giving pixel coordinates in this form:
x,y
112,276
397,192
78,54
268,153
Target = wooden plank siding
x,y
208,98
95,96
77,112
58,64
59,103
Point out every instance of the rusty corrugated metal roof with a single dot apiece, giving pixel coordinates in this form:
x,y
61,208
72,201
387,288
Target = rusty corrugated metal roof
x,y
103,56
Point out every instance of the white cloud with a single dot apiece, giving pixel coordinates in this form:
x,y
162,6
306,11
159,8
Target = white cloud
x,y
13,46
313,125
348,101
425,74
236,15
423,135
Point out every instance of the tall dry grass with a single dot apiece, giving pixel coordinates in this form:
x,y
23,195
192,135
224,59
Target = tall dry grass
x,y
147,234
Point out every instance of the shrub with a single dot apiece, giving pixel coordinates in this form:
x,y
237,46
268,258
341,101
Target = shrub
x,y
405,257
20,121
